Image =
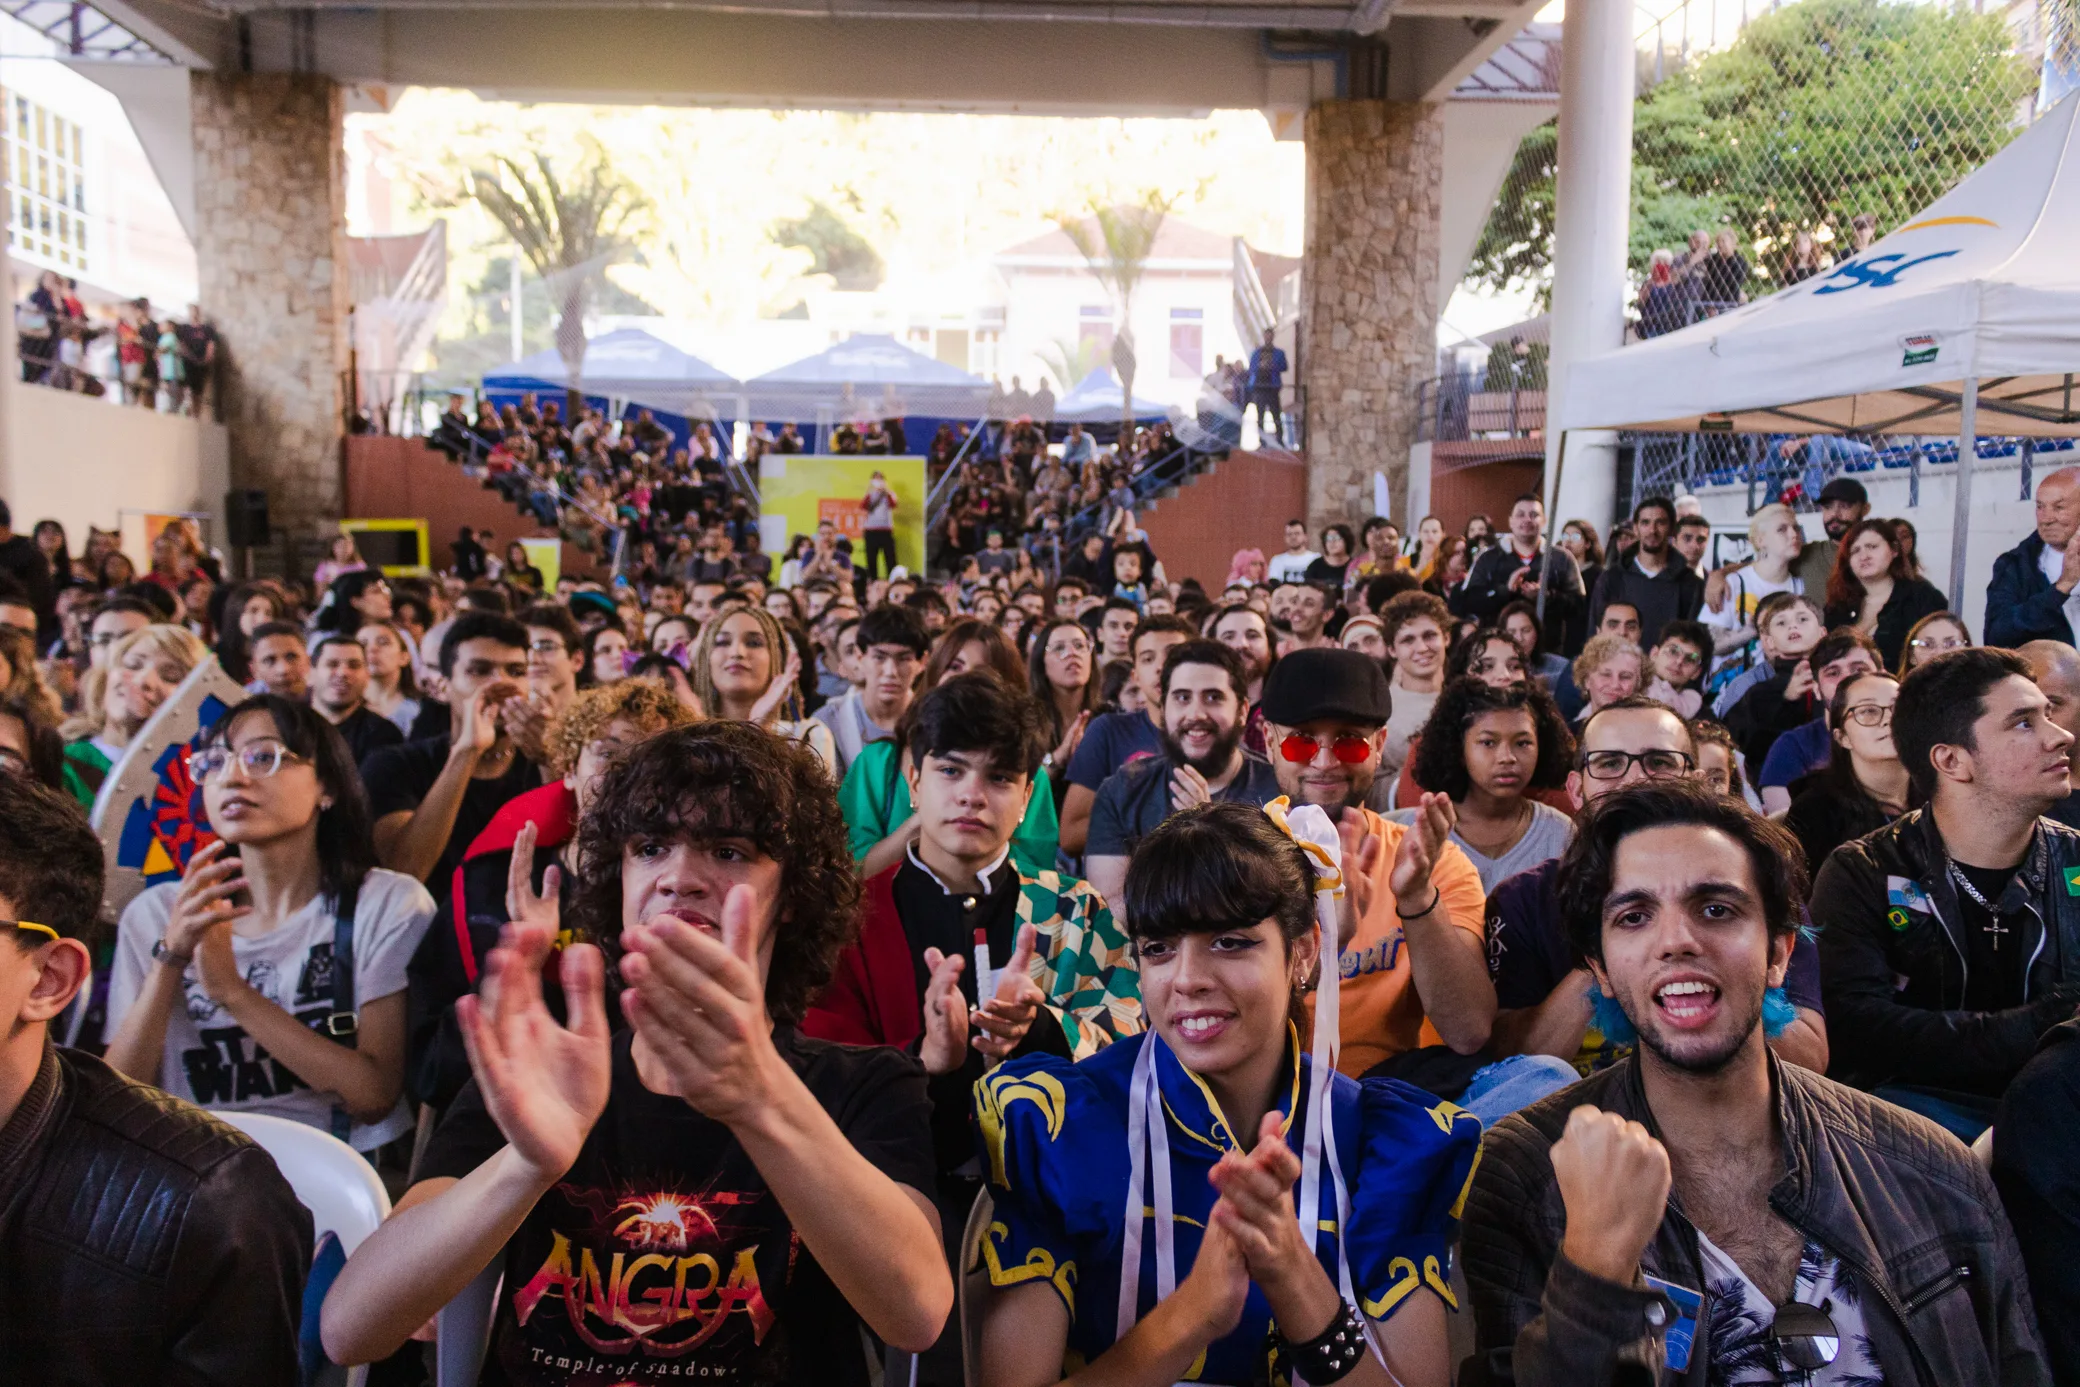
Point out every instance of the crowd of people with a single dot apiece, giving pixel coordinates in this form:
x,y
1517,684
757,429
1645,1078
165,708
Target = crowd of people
x,y
818,974
152,361
1710,275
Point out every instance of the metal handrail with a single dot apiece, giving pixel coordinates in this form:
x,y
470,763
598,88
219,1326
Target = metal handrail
x,y
935,499
1084,521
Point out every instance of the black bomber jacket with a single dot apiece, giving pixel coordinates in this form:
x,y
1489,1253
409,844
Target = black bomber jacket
x,y
1893,958
142,1240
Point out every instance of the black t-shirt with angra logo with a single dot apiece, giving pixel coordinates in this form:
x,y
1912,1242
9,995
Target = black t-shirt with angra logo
x,y
663,1257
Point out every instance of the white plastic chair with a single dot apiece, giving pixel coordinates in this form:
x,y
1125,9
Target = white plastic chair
x,y
330,1179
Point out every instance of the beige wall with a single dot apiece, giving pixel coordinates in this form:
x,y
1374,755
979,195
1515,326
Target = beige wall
x,y
85,462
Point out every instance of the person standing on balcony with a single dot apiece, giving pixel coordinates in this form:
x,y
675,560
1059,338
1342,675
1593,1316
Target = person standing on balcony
x,y
1267,370
1513,570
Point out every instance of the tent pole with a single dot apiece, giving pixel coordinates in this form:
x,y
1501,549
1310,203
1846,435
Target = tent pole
x,y
1552,530
1967,458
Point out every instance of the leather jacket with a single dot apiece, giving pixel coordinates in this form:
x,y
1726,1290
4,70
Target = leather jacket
x,y
142,1240
1893,958
1909,1213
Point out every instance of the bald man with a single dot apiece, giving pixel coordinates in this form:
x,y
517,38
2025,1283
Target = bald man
x,y
2031,595
2055,666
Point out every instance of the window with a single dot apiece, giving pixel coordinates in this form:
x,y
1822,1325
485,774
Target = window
x,y
1094,326
42,156
1187,343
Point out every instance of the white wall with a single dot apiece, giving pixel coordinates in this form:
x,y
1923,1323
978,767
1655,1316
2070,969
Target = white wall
x,y
2001,516
86,462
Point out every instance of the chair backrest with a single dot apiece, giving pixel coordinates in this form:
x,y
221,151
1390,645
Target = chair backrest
x,y
973,1281
341,1189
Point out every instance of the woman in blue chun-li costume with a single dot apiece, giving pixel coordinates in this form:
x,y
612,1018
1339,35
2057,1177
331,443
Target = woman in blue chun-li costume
x,y
1207,1129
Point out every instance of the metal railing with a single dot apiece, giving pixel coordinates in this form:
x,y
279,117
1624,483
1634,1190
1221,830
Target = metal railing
x,y
1461,407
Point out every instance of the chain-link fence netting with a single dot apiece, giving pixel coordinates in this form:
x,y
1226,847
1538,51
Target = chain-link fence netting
x,y
1771,142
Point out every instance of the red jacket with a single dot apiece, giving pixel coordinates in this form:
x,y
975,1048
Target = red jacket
x,y
873,997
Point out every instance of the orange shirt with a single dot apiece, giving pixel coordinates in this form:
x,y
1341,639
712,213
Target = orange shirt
x,y
1381,1014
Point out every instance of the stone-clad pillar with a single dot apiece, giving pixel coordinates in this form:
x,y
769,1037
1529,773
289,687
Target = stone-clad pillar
x,y
1368,330
270,229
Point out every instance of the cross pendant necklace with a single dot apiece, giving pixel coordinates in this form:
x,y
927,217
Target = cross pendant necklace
x,y
1994,928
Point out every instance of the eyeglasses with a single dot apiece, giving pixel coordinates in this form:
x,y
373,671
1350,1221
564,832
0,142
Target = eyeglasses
x,y
1804,1337
32,926
548,646
1938,643
1869,714
259,760
1350,750
1658,765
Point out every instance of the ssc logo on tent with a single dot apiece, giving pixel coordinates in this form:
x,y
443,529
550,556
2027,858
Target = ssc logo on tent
x,y
1878,272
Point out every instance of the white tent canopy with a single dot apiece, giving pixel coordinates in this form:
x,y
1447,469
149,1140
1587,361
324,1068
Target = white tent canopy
x,y
1984,285
1964,320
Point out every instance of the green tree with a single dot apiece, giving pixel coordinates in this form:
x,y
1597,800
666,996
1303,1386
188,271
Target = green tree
x,y
834,247
570,222
1116,241
1817,112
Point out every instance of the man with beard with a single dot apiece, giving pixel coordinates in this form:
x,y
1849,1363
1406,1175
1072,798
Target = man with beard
x,y
1652,577
1843,502
1247,632
339,686
1204,696
1703,1211
1414,964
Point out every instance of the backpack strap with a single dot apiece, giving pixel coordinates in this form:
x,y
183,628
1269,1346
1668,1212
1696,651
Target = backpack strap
x,y
341,1024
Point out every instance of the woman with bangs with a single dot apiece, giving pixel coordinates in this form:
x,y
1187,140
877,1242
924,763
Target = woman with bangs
x,y
1222,909
765,1197
528,849
271,977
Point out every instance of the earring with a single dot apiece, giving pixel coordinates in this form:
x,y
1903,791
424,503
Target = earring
x,y
325,804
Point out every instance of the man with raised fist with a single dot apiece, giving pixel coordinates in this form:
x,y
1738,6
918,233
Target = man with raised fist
x,y
1701,1211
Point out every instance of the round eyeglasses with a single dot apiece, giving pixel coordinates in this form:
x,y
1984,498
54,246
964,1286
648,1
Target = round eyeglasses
x,y
258,760
1348,749
1869,714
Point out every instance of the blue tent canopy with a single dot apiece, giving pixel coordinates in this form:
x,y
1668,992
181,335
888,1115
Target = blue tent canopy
x,y
632,365
870,374
1099,399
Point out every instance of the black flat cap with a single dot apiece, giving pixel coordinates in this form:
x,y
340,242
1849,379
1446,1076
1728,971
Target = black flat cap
x,y
1327,683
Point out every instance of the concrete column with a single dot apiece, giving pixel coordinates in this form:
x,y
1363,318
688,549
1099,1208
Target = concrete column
x,y
270,212
1592,219
1368,327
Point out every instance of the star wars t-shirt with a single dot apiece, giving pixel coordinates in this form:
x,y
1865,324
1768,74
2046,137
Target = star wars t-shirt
x,y
663,1257
210,1059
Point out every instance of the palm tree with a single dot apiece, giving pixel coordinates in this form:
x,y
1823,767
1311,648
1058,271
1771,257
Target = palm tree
x,y
570,223
1116,242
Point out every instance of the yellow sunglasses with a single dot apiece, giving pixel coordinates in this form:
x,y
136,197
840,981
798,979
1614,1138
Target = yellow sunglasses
x,y
31,925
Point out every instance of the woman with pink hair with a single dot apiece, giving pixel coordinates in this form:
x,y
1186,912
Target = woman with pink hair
x,y
1246,567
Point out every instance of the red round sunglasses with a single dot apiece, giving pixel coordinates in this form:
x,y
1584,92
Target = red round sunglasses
x,y
1348,749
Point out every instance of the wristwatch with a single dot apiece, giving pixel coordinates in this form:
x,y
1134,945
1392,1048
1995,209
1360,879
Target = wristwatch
x,y
166,955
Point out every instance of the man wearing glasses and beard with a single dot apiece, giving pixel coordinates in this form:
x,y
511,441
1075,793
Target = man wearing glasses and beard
x,y
1413,960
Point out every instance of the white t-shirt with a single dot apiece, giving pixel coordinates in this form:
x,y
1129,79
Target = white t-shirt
x,y
1745,589
209,1058
1547,835
1289,566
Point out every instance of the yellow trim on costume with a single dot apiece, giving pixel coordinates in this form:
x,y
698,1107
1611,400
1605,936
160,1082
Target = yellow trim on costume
x,y
1039,1265
1191,1374
1149,1213
1213,1104
1326,1225
1437,1282
1446,1113
1459,1204
1397,1291
999,1091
